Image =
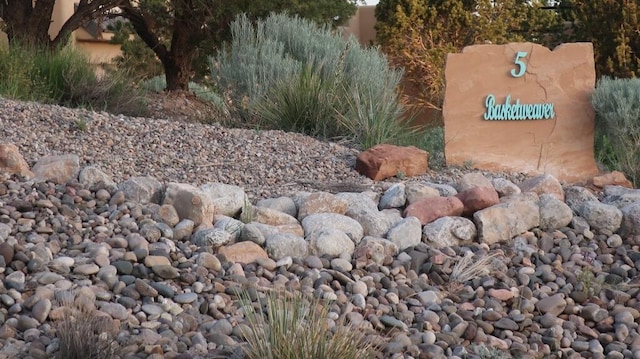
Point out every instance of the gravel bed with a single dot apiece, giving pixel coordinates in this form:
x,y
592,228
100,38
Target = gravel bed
x,y
265,163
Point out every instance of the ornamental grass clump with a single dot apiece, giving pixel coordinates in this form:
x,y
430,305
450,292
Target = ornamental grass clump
x,y
83,333
65,76
617,144
291,326
288,73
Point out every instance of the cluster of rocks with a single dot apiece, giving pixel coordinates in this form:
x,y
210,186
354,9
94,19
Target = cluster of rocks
x,y
427,270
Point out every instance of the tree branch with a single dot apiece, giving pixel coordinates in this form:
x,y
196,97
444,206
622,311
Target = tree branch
x,y
142,28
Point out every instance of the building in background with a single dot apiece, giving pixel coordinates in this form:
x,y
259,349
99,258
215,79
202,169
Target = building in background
x,y
362,24
91,38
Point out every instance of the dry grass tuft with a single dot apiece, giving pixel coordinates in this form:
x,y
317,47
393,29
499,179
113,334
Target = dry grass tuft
x,y
294,327
84,333
470,267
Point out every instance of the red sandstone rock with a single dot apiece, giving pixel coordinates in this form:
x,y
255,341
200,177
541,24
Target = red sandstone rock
x,y
432,208
243,252
384,161
561,145
614,178
12,162
478,198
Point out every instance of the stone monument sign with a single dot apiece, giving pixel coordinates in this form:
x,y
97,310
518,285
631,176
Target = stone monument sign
x,y
521,107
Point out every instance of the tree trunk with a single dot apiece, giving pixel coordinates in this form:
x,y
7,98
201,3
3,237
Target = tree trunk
x,y
177,69
28,24
177,66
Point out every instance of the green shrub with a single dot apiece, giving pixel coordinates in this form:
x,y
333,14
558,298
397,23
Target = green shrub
x,y
288,73
294,327
64,76
617,105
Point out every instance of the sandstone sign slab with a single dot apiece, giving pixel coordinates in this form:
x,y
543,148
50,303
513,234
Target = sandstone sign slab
x,y
521,107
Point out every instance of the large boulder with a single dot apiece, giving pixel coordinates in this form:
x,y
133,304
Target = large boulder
x,y
58,169
601,216
142,190
226,199
503,221
449,232
321,202
190,202
384,161
91,176
315,222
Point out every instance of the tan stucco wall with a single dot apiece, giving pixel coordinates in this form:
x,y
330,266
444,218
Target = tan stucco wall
x,y
361,25
62,10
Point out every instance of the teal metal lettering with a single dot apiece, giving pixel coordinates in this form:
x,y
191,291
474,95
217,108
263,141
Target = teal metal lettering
x,y
522,66
516,111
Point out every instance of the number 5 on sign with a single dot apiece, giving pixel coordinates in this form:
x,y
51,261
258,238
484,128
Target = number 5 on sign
x,y
522,67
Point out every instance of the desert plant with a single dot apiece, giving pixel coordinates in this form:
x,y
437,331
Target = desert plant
x,y
292,326
587,282
64,76
617,105
288,73
305,104
83,334
470,267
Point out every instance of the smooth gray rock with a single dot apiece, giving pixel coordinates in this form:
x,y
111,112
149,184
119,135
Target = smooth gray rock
x,y
91,176
504,187
142,190
505,220
601,216
449,231
630,220
416,191
190,202
226,199
183,230
286,245
575,196
554,213
553,305
394,197
251,232
348,225
330,242
282,204
406,233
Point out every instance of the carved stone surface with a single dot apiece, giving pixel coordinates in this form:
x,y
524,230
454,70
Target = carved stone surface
x,y
561,146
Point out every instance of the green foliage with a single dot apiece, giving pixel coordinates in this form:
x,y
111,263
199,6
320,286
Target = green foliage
x,y
137,58
64,76
418,34
587,282
612,27
293,327
617,105
288,73
208,21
